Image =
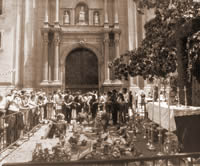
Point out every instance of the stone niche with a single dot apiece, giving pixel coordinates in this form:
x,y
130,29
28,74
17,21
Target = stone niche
x,y
81,13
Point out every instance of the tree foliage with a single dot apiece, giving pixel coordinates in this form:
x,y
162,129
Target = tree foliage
x,y
193,46
156,56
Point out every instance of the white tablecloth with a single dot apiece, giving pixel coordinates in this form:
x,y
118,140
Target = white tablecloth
x,y
174,112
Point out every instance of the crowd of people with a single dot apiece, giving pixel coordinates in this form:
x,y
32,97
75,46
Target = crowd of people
x,y
39,106
71,104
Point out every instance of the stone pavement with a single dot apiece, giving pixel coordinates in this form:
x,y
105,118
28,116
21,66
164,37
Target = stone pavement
x,y
24,152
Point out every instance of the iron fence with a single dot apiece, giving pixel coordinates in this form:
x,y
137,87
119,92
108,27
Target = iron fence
x,y
14,126
181,159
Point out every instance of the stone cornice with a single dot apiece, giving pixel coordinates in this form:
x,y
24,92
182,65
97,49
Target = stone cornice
x,y
82,30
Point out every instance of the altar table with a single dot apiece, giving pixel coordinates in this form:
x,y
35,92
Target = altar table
x,y
184,121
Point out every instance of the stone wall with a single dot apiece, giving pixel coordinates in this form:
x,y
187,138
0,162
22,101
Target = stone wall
x,y
7,50
22,49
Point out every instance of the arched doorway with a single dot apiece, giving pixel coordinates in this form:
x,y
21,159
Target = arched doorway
x,y
81,70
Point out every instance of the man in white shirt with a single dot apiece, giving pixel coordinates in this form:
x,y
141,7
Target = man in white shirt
x,y
126,100
58,101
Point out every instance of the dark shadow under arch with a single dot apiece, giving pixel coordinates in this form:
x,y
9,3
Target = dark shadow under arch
x,y
81,69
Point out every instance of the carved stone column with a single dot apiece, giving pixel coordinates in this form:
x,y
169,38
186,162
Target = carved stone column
x,y
45,57
57,13
116,39
117,52
56,57
116,21
132,36
106,58
106,25
46,21
72,17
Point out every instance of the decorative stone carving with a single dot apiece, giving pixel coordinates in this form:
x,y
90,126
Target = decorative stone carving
x,y
66,17
106,38
96,18
82,42
46,37
56,58
117,35
82,15
56,38
116,39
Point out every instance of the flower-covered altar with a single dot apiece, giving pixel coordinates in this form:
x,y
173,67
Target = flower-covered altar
x,y
85,141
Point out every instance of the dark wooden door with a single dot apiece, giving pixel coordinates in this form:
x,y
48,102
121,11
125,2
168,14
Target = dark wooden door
x,y
81,69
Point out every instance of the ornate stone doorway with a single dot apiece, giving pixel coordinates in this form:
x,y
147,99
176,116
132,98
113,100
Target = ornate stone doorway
x,y
81,70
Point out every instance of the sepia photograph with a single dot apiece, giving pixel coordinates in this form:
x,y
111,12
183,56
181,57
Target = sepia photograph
x,y
99,82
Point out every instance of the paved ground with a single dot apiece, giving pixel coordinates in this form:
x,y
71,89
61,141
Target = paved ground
x,y
24,152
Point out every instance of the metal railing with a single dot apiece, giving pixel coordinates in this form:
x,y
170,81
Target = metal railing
x,y
181,159
15,126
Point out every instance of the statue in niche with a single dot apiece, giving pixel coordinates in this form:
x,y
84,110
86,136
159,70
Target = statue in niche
x,y
66,19
96,18
82,15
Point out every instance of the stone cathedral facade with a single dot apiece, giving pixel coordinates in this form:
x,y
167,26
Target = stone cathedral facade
x,y
67,43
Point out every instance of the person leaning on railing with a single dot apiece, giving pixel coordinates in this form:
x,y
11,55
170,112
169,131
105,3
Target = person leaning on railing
x,y
2,114
34,112
14,119
24,107
2,109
